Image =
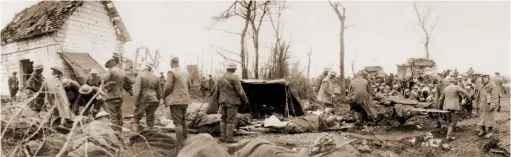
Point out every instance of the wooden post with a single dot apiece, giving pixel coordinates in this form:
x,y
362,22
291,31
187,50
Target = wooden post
x,y
136,59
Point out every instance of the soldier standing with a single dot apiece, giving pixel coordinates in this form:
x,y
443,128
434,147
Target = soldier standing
x,y
33,85
177,97
319,79
13,85
450,101
361,93
487,99
162,82
114,80
230,96
498,86
146,93
326,90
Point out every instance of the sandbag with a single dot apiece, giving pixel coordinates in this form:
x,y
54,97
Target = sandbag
x,y
261,148
155,144
202,145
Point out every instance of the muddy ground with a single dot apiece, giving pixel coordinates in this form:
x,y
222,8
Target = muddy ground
x,y
407,141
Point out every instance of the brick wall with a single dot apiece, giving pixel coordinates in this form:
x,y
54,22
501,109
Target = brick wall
x,y
89,30
35,49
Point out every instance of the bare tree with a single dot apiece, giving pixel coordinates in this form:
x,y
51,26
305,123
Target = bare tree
x,y
258,14
426,29
243,9
278,66
340,11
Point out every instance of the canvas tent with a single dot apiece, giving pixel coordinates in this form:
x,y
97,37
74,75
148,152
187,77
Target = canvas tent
x,y
81,64
275,93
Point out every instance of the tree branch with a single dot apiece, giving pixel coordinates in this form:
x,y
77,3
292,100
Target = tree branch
x,y
227,58
225,50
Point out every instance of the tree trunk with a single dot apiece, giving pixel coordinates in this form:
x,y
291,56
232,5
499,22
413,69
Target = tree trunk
x,y
426,45
244,74
342,58
256,47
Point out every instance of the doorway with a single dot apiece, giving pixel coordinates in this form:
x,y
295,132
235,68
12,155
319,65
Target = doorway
x,y
26,68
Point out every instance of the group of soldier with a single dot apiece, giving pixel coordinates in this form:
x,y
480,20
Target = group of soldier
x,y
105,93
458,94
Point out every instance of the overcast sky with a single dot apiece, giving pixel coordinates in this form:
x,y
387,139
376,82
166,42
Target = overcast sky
x,y
468,34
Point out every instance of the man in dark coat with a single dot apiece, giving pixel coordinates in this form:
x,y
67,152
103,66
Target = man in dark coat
x,y
360,90
230,96
33,85
86,94
450,101
13,85
114,81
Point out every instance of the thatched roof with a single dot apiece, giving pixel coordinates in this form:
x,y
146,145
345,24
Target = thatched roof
x,y
47,17
40,19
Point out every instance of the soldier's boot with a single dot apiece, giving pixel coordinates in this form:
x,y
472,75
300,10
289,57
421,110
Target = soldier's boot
x,y
498,108
185,131
229,134
449,133
150,125
179,137
222,131
135,127
489,133
482,131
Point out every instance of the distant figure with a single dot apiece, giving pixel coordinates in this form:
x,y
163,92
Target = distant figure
x,y
230,96
162,81
177,97
499,81
147,94
94,80
450,101
13,85
211,83
204,87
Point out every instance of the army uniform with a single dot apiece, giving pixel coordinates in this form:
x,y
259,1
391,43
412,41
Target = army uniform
x,y
13,85
449,100
147,94
326,91
33,85
114,81
230,96
86,94
487,100
360,106
176,96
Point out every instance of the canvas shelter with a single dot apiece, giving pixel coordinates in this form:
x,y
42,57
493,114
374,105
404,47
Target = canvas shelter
x,y
276,93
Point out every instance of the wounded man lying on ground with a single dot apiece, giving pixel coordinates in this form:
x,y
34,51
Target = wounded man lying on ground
x,y
210,123
305,123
